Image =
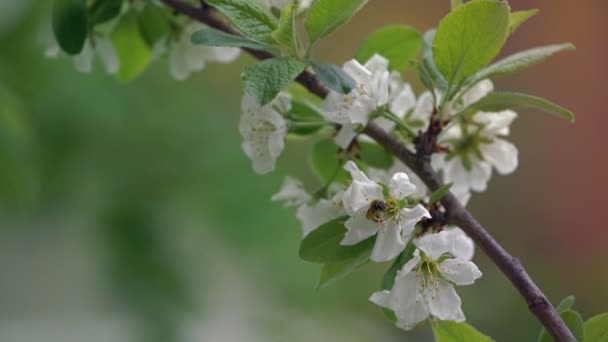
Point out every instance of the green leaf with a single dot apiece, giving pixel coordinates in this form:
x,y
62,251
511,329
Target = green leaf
x,y
499,101
389,277
440,193
429,62
520,17
264,80
426,79
375,155
330,272
448,331
573,321
304,111
326,162
596,328
132,51
322,245
249,17
333,77
153,24
70,24
285,34
213,37
566,304
520,60
325,16
102,11
469,38
397,43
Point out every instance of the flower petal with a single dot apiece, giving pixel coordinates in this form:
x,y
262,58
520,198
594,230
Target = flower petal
x,y
408,218
345,136
478,91
388,244
434,245
358,228
461,246
357,71
313,216
444,303
460,271
376,63
400,185
501,154
292,193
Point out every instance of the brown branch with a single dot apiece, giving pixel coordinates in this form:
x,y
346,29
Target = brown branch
x,y
458,215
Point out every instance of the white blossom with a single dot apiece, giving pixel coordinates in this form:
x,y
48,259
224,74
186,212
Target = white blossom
x,y
263,130
424,287
292,193
372,213
379,175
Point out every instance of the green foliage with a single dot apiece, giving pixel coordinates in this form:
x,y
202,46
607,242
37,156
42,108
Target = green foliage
x,y
132,51
325,16
428,62
264,80
327,163
332,271
440,193
153,24
573,321
322,245
448,331
499,101
333,77
519,61
102,11
388,280
286,33
565,304
596,328
520,17
375,155
249,17
397,43
213,37
304,111
469,38
70,24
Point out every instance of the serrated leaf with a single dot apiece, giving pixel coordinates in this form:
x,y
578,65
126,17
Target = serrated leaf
x,y
102,11
325,16
573,321
213,37
520,17
326,162
375,155
322,245
448,331
333,77
285,34
429,63
565,304
440,193
153,24
468,38
264,80
397,43
596,328
333,271
132,51
519,61
499,101
70,24
249,17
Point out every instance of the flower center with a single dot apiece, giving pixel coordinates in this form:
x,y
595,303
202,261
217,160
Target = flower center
x,y
381,211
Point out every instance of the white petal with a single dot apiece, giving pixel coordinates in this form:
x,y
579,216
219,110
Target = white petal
x,y
496,123
478,91
108,56
313,216
84,61
444,303
357,71
358,229
402,101
223,54
424,107
460,271
177,64
501,154
461,246
196,56
378,88
292,193
405,300
282,103
408,218
361,109
400,185
381,298
388,244
376,63
359,195
345,136
479,176
435,245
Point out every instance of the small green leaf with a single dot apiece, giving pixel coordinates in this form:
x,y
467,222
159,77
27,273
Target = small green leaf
x,y
520,17
102,11
325,16
519,61
322,245
153,24
213,37
375,155
305,111
440,193
596,328
573,321
426,79
326,162
499,101
566,304
337,270
389,277
285,34
264,80
132,51
429,63
469,38
397,43
70,24
249,17
333,77
448,331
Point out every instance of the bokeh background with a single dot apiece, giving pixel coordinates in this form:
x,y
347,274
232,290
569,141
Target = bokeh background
x,y
129,213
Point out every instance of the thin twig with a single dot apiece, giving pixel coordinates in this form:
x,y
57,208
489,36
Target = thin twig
x,y
458,215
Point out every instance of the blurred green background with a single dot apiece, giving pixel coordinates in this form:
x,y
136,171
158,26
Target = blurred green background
x,y
129,213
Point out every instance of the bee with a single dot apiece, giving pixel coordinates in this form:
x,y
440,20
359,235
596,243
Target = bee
x,y
376,211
